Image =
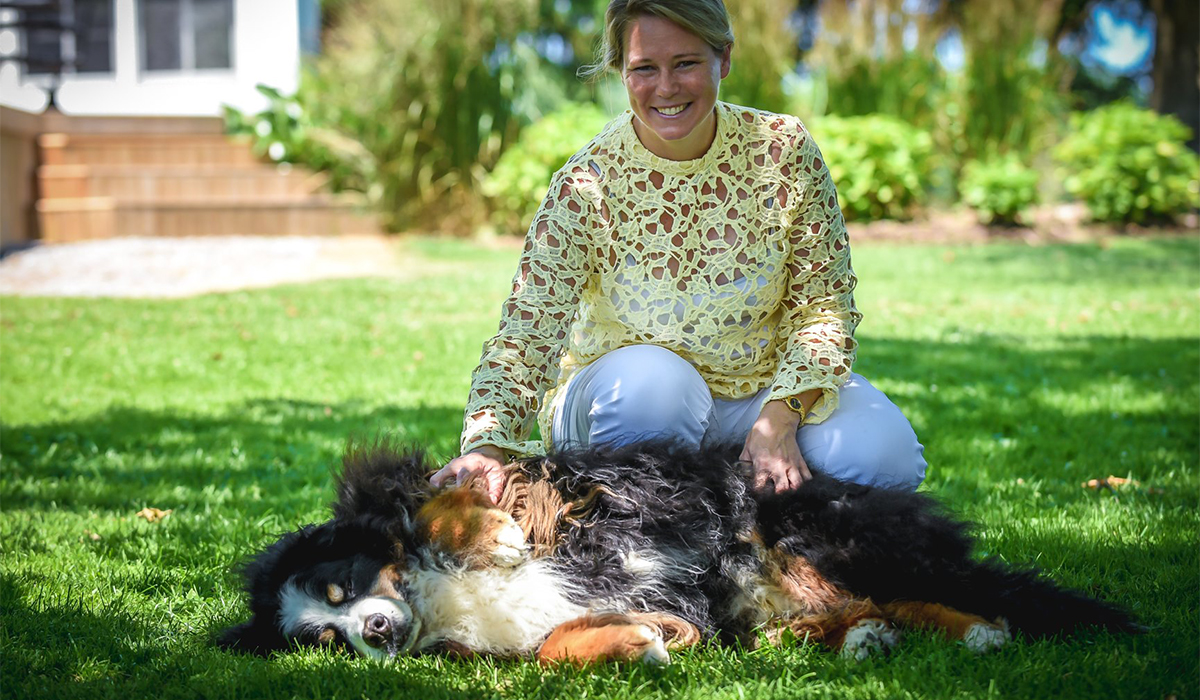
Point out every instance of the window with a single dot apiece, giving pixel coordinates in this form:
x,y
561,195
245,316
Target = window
x,y
68,36
186,34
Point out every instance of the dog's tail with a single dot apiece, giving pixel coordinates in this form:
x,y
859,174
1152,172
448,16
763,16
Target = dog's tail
x,y
1031,603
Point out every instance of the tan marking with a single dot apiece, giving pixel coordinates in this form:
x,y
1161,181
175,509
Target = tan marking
x,y
829,627
953,623
800,580
334,594
327,636
387,583
596,639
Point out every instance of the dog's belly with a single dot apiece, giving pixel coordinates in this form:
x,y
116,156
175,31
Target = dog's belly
x,y
502,611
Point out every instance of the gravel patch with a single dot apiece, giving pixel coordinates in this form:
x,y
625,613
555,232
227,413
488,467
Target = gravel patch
x,y
183,267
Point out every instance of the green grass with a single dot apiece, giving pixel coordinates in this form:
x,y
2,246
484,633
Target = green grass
x,y
1026,371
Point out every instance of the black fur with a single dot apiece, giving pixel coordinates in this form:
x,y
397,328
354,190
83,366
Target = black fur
x,y
694,510
877,543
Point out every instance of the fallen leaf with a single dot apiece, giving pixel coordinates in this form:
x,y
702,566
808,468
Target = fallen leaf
x,y
1112,482
91,536
153,515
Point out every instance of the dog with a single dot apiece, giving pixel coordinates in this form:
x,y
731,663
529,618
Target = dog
x,y
627,553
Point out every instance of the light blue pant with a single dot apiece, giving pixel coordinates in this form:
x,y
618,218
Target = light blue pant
x,y
644,391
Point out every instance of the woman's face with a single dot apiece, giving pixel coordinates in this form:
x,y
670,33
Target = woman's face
x,y
672,77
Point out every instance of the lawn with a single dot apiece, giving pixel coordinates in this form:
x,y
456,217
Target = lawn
x,y
1026,371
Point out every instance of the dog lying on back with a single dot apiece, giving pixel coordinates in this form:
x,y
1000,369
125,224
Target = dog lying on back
x,y
626,553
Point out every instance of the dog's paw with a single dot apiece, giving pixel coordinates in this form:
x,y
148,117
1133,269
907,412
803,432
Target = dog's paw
x,y
983,637
509,548
868,637
654,650
462,522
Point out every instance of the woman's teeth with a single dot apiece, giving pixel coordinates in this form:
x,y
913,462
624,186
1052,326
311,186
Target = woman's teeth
x,y
671,111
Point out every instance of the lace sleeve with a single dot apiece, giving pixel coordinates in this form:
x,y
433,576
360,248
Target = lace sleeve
x,y
816,332
520,362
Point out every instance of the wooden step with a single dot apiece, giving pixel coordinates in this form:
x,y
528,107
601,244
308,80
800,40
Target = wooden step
x,y
76,219
191,150
177,183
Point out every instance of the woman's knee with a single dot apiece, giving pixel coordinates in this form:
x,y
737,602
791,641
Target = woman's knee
x,y
888,455
644,391
867,440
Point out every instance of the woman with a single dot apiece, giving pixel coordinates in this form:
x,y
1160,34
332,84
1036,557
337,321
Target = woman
x,y
687,275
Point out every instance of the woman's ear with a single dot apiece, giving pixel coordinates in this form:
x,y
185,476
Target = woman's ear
x,y
725,61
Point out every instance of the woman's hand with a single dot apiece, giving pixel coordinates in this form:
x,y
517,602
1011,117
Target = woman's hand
x,y
773,451
486,462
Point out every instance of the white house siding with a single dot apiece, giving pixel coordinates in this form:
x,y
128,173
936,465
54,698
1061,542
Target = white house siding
x,y
265,49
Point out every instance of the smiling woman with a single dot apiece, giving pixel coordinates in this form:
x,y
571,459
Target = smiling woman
x,y
687,276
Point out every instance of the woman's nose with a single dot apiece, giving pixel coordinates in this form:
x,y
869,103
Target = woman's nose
x,y
667,84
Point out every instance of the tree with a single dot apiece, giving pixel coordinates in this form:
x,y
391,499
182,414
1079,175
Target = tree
x,y
1176,70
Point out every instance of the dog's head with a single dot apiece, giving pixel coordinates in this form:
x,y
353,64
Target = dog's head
x,y
341,582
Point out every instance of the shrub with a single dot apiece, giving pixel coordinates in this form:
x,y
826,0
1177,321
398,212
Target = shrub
x,y
517,184
999,189
881,165
1130,165
411,101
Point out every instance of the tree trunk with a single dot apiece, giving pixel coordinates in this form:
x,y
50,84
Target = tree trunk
x,y
1176,69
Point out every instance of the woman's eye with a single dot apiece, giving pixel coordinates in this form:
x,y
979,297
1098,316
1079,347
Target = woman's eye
x,y
685,64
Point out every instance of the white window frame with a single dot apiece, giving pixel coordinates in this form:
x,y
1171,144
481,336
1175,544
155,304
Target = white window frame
x,y
187,44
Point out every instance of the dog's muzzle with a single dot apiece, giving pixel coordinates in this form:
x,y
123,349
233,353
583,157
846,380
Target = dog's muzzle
x,y
386,627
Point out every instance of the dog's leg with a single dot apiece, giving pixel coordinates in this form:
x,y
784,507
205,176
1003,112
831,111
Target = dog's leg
x,y
609,637
977,633
463,522
856,629
676,632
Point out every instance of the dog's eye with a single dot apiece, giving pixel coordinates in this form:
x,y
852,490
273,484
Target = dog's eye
x,y
335,594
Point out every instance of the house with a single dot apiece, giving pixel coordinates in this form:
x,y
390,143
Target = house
x,y
133,143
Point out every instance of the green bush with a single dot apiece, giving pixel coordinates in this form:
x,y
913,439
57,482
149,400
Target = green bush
x,y
880,165
999,189
284,132
517,184
1130,165
411,102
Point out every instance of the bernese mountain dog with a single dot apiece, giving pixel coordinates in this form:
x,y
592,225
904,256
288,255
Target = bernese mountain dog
x,y
626,553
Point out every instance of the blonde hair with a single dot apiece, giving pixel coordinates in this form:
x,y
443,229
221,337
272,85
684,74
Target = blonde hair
x,y
707,19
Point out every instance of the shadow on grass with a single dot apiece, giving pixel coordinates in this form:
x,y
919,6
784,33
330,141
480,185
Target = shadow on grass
x,y
1084,406
63,649
1003,410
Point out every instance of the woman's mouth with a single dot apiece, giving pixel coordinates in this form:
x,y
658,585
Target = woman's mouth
x,y
672,111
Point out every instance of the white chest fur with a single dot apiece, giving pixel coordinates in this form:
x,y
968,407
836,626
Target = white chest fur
x,y
499,611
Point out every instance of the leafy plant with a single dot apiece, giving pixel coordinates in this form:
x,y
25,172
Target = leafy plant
x,y
517,184
880,164
1130,164
764,52
999,189
412,102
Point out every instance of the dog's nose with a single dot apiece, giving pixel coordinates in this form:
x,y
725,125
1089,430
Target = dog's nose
x,y
377,629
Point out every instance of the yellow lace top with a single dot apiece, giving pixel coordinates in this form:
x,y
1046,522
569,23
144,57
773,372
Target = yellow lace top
x,y
737,261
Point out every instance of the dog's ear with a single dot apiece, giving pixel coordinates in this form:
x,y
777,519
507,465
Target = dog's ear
x,y
383,481
253,637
